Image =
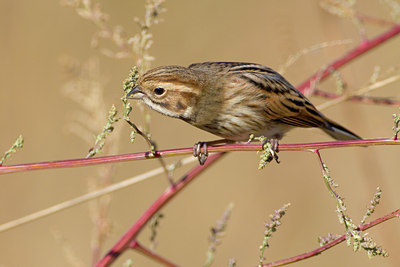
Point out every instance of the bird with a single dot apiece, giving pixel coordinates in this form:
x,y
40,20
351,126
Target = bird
x,y
232,100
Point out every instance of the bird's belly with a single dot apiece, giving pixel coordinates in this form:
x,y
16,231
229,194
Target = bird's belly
x,y
270,132
240,130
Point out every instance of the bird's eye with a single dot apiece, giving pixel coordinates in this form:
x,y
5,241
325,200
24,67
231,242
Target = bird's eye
x,y
159,91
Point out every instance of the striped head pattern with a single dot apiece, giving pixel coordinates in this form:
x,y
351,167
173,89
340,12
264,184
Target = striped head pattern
x,y
170,90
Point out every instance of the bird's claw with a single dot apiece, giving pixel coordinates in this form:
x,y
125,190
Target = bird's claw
x,y
273,149
199,154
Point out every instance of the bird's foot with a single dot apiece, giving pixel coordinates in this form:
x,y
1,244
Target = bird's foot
x,y
200,154
273,149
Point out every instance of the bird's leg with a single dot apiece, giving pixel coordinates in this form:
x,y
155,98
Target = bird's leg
x,y
202,154
273,149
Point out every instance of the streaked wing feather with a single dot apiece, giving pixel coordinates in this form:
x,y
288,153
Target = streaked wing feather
x,y
299,121
284,102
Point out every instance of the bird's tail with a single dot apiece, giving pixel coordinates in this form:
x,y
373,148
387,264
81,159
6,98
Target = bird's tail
x,y
339,132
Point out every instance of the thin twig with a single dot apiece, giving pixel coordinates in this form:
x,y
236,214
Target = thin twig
x,y
359,92
359,98
375,20
336,241
85,198
138,247
293,58
19,143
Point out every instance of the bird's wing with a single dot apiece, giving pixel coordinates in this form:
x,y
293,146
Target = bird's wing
x,y
283,103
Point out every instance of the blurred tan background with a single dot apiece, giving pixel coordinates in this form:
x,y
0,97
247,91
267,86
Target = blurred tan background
x,y
36,35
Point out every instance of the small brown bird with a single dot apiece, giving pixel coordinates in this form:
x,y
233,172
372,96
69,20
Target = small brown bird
x,y
232,100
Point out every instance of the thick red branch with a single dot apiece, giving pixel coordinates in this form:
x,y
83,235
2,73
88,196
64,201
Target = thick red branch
x,y
165,197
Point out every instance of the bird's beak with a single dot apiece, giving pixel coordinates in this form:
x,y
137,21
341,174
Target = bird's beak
x,y
135,93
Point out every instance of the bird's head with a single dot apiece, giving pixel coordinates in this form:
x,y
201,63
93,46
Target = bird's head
x,y
170,90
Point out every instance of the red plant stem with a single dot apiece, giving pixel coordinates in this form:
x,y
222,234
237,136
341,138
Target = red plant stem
x,y
366,226
188,151
137,246
338,240
364,46
165,197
